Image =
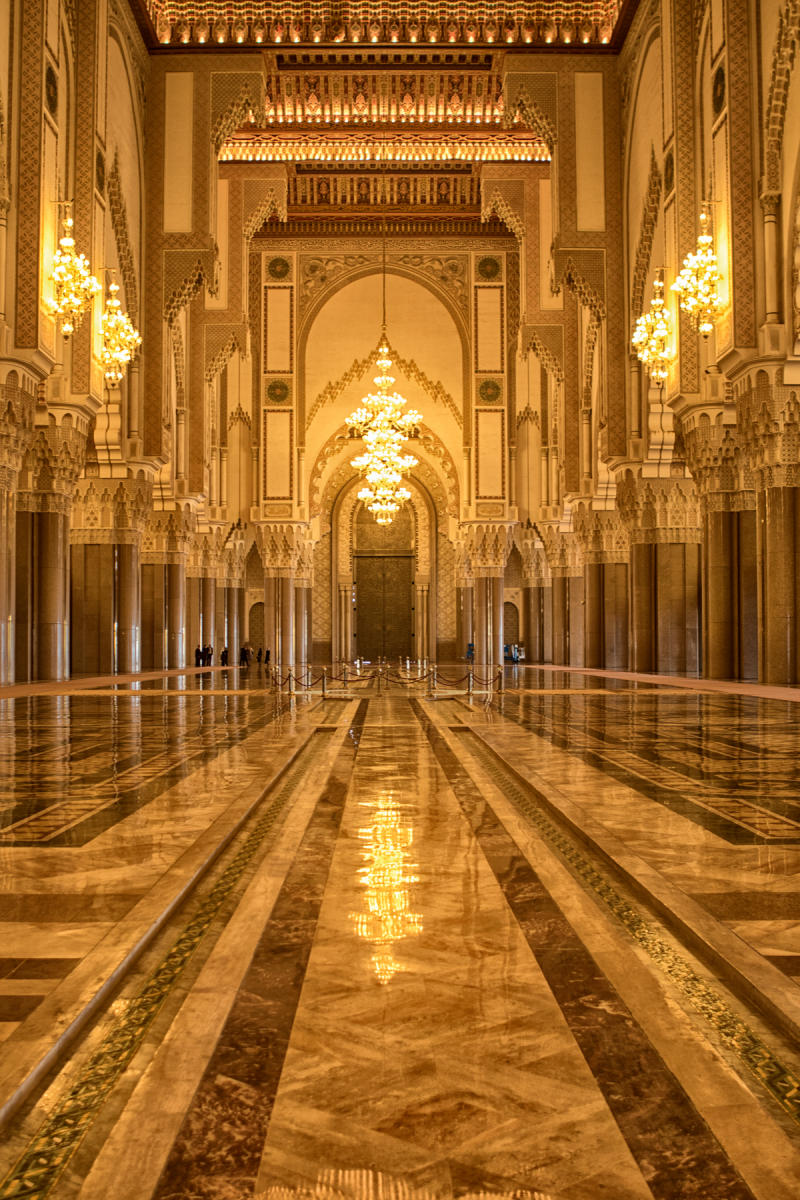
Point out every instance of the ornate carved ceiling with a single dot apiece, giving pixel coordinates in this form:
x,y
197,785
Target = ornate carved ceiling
x,y
248,23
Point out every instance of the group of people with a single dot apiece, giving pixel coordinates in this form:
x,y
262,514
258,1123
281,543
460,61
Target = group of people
x,y
246,656
204,656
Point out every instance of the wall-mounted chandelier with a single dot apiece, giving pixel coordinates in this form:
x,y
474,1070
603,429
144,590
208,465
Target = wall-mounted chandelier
x,y
384,427
651,337
699,280
74,285
120,339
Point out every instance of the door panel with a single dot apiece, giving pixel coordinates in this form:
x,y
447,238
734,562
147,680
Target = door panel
x,y
383,606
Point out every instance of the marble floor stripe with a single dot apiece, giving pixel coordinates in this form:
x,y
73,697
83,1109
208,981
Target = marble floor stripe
x,y
218,1150
49,1151
677,1153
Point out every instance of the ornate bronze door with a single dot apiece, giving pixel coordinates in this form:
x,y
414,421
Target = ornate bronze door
x,y
384,622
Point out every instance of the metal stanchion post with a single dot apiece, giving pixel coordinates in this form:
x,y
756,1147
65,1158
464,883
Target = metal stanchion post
x,y
470,683
344,674
324,681
499,679
291,682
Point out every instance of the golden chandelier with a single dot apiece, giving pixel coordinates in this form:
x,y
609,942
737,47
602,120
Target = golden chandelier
x,y
699,280
74,286
120,339
651,337
384,427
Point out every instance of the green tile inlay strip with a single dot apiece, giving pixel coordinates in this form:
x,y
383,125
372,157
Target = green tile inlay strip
x,y
50,1149
751,1050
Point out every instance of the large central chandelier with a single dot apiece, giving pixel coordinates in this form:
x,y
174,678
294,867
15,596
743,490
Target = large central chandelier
x,y
651,337
384,427
74,285
699,280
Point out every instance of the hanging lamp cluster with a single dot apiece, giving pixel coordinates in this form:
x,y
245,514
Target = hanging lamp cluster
x,y
384,427
652,336
699,280
120,339
74,285
74,289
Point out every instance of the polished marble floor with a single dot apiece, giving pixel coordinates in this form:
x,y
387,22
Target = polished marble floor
x,y
543,941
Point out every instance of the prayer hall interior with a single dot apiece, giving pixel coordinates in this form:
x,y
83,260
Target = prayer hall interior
x,y
399,600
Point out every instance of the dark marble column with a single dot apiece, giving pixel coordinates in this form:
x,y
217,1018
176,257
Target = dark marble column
x,y
594,642
576,607
481,619
464,623
176,614
154,616
642,615
779,570
533,617
208,614
8,519
677,571
560,620
615,616
496,619
287,621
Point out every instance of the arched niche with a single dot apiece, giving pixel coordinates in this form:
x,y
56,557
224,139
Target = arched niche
x,y
413,537
337,345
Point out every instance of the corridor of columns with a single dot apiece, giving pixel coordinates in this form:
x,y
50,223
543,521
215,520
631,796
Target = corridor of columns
x,y
538,941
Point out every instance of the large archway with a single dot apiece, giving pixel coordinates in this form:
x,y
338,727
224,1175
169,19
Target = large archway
x,y
383,574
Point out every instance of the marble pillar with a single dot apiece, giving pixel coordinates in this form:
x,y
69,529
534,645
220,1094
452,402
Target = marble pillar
x,y
128,608
560,619
496,620
605,603
194,628
287,621
8,521
482,593
176,615
594,648
642,601
208,614
42,596
154,639
234,603
301,608
533,618
576,607
464,626
677,587
778,510
220,621
615,616
272,641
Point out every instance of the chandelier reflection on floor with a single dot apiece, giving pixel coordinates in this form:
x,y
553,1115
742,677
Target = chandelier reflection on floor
x,y
387,918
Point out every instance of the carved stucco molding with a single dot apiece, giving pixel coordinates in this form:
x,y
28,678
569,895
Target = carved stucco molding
x,y
665,511
110,511
647,229
602,533
783,60
167,534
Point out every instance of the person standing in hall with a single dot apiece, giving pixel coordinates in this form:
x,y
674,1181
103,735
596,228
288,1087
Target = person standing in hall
x,y
223,658
198,656
259,656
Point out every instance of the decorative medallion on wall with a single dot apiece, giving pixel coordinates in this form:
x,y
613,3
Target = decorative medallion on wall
x,y
718,91
277,391
490,269
279,268
669,173
490,391
51,90
100,171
